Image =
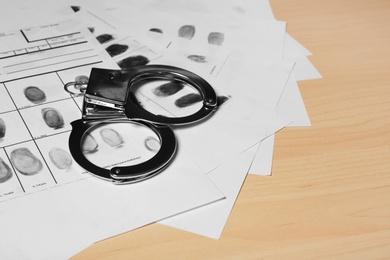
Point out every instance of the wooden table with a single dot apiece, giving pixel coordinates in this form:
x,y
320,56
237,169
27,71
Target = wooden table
x,y
329,196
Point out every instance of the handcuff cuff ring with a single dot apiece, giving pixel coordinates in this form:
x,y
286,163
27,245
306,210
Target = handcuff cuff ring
x,y
122,81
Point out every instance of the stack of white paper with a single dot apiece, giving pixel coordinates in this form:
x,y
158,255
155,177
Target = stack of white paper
x,y
237,46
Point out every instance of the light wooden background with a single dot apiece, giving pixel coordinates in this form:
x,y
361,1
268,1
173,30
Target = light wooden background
x,y
329,196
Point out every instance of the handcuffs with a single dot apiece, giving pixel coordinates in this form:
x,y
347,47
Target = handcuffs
x,y
109,97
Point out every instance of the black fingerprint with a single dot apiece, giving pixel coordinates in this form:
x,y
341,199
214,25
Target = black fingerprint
x,y
152,144
5,171
111,137
25,162
35,94
116,49
89,144
188,100
52,118
187,31
81,79
197,58
3,128
216,38
103,38
133,61
168,89
60,158
156,30
75,8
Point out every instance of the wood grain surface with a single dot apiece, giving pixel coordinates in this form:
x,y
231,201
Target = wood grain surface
x,y
329,195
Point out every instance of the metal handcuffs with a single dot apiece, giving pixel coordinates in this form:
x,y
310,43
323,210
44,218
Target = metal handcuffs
x,y
109,98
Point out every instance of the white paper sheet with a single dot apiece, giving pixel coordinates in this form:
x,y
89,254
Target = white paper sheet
x,y
305,70
262,161
294,48
292,105
264,79
210,220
